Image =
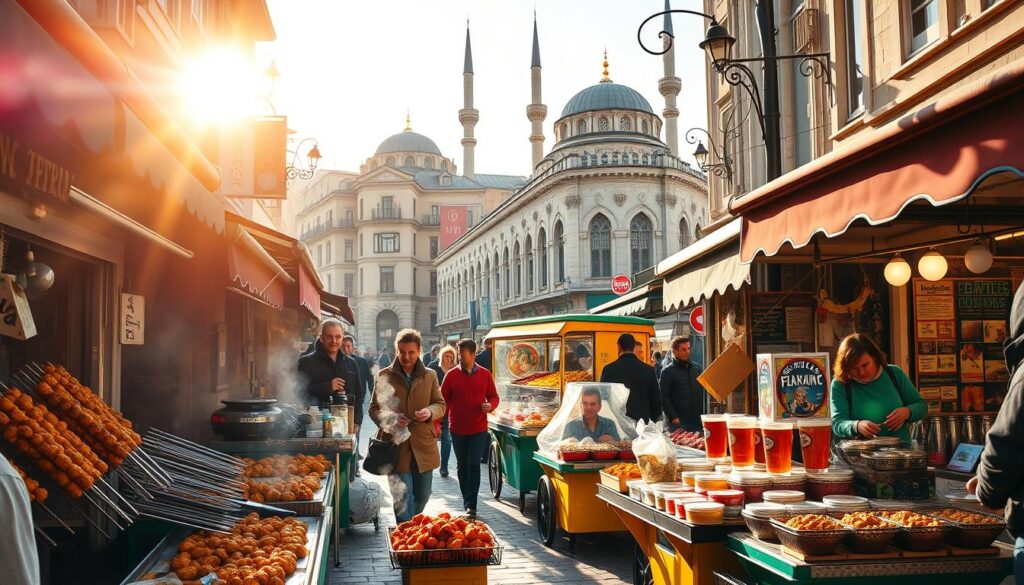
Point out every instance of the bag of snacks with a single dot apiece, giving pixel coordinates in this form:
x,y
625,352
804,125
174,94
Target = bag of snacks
x,y
655,454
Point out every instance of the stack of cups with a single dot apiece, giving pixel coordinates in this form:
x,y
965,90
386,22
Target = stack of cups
x,y
778,447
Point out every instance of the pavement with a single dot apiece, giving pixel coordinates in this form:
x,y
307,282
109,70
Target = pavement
x,y
599,558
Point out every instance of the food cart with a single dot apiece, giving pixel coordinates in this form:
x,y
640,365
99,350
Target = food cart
x,y
533,361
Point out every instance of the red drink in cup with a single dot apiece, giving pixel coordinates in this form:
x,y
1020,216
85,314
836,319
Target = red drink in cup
x,y
778,447
815,442
716,436
758,446
741,440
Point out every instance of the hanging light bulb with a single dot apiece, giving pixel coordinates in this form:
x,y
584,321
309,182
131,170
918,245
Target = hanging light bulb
x,y
932,266
897,271
35,278
978,258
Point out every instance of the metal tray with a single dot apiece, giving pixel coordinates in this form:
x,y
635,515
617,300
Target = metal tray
x,y
970,535
157,563
808,542
315,507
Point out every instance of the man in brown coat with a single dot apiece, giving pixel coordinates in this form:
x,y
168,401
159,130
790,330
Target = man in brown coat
x,y
407,401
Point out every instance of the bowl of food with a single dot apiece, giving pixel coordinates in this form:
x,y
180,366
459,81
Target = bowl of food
x,y
971,529
810,534
870,533
917,531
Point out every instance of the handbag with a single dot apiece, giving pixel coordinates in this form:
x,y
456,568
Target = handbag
x,y
380,457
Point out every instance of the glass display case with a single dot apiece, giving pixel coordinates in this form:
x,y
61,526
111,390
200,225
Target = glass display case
x,y
526,406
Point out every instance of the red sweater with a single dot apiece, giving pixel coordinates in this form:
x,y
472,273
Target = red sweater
x,y
464,393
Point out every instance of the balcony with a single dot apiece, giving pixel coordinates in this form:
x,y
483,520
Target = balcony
x,y
393,212
337,224
430,220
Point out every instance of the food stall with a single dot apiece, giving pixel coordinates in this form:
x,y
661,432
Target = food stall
x,y
533,361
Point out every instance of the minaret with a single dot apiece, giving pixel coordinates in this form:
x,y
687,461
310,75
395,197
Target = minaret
x,y
536,111
467,115
670,86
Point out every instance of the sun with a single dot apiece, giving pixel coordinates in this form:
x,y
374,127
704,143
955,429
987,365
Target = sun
x,y
219,86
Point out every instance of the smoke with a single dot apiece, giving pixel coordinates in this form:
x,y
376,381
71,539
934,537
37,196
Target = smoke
x,y
400,497
390,414
286,383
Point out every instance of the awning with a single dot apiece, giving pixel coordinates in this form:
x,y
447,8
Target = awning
x,y
632,303
528,330
709,265
338,306
253,271
937,154
309,296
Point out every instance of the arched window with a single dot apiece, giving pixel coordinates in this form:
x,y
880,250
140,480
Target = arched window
x,y
600,246
472,285
497,277
428,163
625,125
390,161
643,126
581,127
529,264
640,242
485,276
458,292
559,253
410,161
696,232
517,266
562,130
508,275
602,124
684,233
542,251
387,327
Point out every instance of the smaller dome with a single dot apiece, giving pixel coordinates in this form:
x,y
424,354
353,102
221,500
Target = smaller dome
x,y
606,96
408,141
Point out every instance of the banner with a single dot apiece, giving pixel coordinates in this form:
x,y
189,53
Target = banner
x,y
453,224
252,158
485,313
474,316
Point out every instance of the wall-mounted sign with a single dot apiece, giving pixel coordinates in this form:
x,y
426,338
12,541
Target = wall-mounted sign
x,y
25,169
697,319
252,158
133,319
621,284
15,315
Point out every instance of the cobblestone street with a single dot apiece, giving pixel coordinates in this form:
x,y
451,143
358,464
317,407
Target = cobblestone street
x,y
599,558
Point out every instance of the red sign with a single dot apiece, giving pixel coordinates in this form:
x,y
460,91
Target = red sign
x,y
697,320
453,224
621,284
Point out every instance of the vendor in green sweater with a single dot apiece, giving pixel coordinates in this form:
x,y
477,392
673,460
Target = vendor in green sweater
x,y
871,397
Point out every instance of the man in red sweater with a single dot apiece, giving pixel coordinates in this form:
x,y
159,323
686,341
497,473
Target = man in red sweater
x,y
470,394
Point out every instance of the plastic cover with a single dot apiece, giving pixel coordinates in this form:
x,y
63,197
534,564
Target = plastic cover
x,y
613,407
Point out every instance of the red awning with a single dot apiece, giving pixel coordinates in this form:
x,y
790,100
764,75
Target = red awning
x,y
337,305
309,295
937,154
252,274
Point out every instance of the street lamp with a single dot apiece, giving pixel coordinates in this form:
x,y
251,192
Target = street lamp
x,y
300,168
701,154
718,45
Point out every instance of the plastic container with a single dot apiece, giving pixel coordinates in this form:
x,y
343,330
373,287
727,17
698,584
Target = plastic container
x,y
846,504
758,518
835,481
806,508
647,495
710,481
634,486
724,468
662,493
726,497
795,481
694,464
784,496
732,512
690,477
673,501
753,484
705,513
681,500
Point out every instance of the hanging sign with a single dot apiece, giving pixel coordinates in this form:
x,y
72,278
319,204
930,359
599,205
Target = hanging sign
x,y
28,170
15,315
133,319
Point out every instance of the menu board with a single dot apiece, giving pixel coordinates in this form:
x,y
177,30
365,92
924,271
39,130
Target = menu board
x,y
783,317
959,329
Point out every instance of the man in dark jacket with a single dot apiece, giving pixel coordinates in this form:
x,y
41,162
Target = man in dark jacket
x,y
485,358
348,345
682,396
329,371
1000,478
644,400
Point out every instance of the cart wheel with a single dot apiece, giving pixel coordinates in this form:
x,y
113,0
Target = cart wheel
x,y
546,525
522,501
494,470
641,567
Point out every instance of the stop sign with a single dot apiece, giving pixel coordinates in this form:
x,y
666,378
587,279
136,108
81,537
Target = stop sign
x,y
621,284
697,320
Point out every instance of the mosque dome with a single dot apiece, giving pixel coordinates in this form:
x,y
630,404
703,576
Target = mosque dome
x,y
606,96
408,141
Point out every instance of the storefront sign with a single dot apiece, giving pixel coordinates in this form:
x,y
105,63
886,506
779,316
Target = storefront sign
x,y
133,319
621,284
15,315
25,168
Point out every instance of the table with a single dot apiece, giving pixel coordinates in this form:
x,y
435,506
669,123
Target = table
x,y
670,550
510,459
567,498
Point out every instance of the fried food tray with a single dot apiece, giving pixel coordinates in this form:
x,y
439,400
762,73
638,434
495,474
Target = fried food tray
x,y
315,507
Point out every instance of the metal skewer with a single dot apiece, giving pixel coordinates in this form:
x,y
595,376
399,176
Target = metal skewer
x,y
45,536
54,516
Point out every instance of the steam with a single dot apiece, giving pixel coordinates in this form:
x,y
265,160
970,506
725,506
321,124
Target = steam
x,y
399,495
286,382
384,394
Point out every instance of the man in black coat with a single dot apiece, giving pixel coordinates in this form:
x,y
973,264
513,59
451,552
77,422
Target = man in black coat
x,y
327,371
485,358
644,400
682,396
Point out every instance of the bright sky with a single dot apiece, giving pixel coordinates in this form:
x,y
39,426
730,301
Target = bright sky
x,y
349,69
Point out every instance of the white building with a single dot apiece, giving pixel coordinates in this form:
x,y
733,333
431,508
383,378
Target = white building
x,y
609,198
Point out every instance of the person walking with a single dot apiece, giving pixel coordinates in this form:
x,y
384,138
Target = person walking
x,y
486,358
644,400
470,393
430,359
682,396
442,365
658,366
1000,476
407,396
383,360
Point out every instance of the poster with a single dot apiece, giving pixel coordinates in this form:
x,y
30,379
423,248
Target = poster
x,y
800,324
933,301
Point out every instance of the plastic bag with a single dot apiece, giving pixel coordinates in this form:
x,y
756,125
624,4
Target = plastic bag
x,y
613,408
655,454
364,500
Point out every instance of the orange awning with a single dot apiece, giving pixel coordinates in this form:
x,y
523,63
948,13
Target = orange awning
x,y
254,273
938,154
309,295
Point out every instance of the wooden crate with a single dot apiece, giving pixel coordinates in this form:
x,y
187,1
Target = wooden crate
x,y
445,576
616,483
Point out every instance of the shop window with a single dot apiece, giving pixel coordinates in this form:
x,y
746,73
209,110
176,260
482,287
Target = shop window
x,y
600,246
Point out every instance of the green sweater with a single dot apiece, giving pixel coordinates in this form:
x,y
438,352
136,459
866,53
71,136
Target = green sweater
x,y
874,401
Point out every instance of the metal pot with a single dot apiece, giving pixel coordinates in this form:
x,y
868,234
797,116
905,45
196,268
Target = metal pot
x,y
972,428
937,442
986,425
956,432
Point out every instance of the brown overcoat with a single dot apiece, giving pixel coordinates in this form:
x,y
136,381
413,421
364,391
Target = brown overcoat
x,y
424,393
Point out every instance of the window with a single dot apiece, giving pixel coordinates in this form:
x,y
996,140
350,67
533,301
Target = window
x,y
625,125
387,202
542,251
360,209
433,321
433,247
508,274
428,163
643,126
518,268
696,232
414,245
348,251
854,58
435,211
349,216
348,290
360,244
559,253
360,281
497,277
581,127
562,130
433,283
801,101
684,233
387,279
924,23
410,161
327,251
640,242
385,243
602,124
600,246
469,217
390,161
330,218
319,254
529,264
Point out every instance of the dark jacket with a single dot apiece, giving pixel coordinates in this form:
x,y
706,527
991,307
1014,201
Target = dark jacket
x,y
384,360
1000,473
485,359
682,396
316,370
644,400
365,378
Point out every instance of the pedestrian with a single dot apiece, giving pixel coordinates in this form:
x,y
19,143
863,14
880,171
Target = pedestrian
x,y
327,371
485,357
408,396
442,365
470,394
383,360
1000,476
348,345
19,560
644,401
658,366
682,395
431,358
